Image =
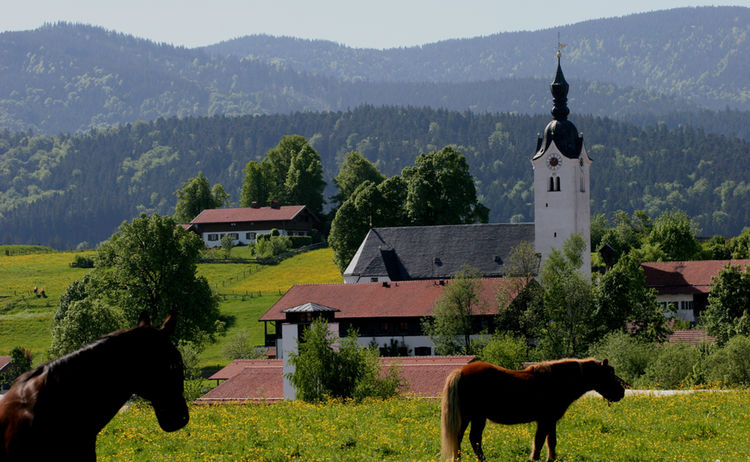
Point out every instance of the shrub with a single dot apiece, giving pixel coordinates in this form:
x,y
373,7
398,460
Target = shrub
x,y
350,371
300,241
82,262
505,350
239,347
674,366
730,365
630,356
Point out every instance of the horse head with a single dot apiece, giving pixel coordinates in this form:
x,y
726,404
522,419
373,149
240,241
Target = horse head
x,y
604,380
163,376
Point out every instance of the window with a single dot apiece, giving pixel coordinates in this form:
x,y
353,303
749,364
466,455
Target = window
x,y
551,184
234,235
250,236
557,183
422,351
686,305
373,279
213,237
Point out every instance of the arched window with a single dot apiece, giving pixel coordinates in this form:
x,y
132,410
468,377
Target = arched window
x,y
551,184
557,183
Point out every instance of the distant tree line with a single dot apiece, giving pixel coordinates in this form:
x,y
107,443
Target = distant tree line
x,y
51,185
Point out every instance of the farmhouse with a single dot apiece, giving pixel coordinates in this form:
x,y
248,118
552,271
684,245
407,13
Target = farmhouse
x,y
245,224
386,313
685,284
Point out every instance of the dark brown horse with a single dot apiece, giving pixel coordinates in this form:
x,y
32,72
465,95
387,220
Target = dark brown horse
x,y
55,411
540,393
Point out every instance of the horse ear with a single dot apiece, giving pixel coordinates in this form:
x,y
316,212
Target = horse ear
x,y
144,320
605,361
170,324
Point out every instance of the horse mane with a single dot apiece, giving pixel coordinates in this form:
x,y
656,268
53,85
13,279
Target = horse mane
x,y
547,368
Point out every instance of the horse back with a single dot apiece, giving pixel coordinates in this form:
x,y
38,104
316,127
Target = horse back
x,y
501,395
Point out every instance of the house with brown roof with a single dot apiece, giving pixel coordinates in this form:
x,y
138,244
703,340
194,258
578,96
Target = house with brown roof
x,y
262,380
246,223
381,312
685,284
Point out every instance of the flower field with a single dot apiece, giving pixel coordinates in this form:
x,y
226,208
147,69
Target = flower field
x,y
701,426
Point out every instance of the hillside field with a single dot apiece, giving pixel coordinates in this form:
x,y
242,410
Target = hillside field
x,y
696,427
246,291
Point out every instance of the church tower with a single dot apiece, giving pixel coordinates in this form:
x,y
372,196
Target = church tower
x,y
561,180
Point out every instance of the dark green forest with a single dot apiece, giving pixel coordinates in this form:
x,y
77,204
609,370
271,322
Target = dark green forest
x,y
700,54
68,78
64,190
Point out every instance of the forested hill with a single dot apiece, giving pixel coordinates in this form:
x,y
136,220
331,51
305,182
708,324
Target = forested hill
x,y
64,190
700,54
66,78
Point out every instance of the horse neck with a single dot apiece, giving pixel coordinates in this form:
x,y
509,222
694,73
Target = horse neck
x,y
94,382
577,384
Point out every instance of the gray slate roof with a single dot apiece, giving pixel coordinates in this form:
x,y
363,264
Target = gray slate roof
x,y
432,252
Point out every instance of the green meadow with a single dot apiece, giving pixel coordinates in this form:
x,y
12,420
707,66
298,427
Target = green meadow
x,y
698,427
245,291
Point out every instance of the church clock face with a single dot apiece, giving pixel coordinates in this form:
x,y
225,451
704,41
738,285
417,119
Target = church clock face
x,y
554,161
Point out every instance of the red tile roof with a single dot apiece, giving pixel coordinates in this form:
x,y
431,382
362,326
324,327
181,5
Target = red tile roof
x,y
685,277
378,299
250,384
238,365
4,361
262,380
690,336
237,215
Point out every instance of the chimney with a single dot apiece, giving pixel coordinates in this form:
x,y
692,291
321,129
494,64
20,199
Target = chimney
x,y
254,204
274,204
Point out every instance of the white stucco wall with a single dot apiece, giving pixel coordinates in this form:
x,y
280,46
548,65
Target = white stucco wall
x,y
559,214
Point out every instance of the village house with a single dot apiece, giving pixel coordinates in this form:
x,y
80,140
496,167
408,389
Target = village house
x,y
245,224
684,285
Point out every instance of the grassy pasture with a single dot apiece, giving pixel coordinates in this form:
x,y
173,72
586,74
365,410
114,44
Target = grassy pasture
x,y
694,427
247,291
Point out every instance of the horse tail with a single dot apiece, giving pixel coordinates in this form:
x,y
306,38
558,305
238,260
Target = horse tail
x,y
450,417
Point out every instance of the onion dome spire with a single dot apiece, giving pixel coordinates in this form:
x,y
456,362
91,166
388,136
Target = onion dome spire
x,y
559,89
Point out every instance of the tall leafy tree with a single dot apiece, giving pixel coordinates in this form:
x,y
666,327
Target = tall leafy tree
x,y
278,160
441,190
354,171
674,233
304,180
568,324
624,303
257,184
728,311
369,206
150,264
197,195
452,322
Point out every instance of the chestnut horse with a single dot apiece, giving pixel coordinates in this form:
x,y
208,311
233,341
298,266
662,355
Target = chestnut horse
x,y
541,393
55,411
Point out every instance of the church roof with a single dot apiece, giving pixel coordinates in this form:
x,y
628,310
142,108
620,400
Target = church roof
x,y
428,252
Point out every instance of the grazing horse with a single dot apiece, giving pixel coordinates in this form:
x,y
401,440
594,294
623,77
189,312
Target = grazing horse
x,y
541,393
55,411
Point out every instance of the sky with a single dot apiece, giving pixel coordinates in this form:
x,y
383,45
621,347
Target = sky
x,y
355,23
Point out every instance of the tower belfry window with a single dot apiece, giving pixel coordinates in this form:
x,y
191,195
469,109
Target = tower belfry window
x,y
551,184
557,183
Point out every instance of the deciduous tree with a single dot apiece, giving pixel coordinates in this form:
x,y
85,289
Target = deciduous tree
x,y
196,196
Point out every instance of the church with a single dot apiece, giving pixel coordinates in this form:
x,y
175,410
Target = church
x,y
561,208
